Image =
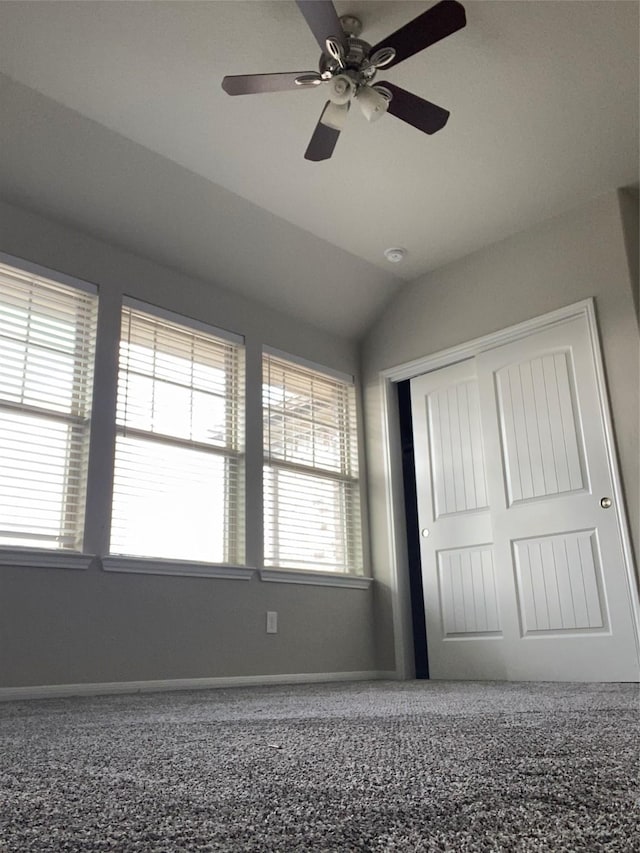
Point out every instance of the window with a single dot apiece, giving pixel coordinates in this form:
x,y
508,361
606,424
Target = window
x,y
311,490
47,338
178,463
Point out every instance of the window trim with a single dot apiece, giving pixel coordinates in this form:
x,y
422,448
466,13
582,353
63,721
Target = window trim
x,y
311,577
176,568
307,364
46,272
34,558
181,320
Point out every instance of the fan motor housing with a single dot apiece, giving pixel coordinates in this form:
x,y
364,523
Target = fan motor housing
x,y
356,62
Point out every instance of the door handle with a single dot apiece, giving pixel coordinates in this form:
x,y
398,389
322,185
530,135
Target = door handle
x,y
605,503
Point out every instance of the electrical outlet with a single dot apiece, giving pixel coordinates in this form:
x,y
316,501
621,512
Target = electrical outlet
x,y
272,622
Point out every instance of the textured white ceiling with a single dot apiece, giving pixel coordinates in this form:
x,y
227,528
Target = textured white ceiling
x,y
544,114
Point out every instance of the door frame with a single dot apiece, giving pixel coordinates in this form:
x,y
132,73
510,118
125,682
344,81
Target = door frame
x,y
394,497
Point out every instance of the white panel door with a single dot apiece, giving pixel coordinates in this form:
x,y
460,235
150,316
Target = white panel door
x,y
553,553
464,631
566,602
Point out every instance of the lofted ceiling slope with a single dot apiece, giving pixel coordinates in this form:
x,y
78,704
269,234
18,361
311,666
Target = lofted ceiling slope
x,y
113,119
56,162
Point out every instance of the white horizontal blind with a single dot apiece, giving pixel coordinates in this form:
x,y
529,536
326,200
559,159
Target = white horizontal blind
x,y
311,490
178,464
47,343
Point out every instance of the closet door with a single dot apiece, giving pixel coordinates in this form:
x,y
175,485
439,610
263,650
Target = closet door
x,y
523,568
566,601
461,593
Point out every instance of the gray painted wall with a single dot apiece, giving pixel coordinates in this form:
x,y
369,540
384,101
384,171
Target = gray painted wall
x,y
578,255
76,627
66,626
63,626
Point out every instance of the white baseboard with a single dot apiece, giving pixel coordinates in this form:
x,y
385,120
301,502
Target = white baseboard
x,y
55,691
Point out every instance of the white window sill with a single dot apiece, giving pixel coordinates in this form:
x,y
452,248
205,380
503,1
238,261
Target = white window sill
x,y
180,568
315,578
44,558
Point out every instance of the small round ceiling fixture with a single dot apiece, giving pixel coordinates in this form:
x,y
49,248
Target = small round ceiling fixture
x,y
395,255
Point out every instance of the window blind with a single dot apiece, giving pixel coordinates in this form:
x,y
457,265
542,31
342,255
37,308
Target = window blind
x,y
178,463
311,489
47,341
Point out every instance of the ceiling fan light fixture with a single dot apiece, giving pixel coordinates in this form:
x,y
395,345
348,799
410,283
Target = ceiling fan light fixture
x,y
335,115
341,89
372,103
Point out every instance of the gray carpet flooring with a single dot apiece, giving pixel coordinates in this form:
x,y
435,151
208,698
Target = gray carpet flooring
x,y
385,766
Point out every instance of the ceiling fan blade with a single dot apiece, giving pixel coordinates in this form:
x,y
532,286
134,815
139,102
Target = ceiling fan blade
x,y
253,84
323,21
417,112
323,140
436,23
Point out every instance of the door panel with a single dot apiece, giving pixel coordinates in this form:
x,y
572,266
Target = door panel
x,y
523,569
541,446
456,456
467,591
459,584
559,583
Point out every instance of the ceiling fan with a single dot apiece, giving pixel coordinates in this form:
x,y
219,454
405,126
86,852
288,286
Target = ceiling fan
x,y
348,66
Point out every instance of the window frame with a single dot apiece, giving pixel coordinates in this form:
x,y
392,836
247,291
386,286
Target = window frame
x,y
353,573
235,567
30,553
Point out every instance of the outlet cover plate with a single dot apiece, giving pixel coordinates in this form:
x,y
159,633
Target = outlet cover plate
x,y
272,622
